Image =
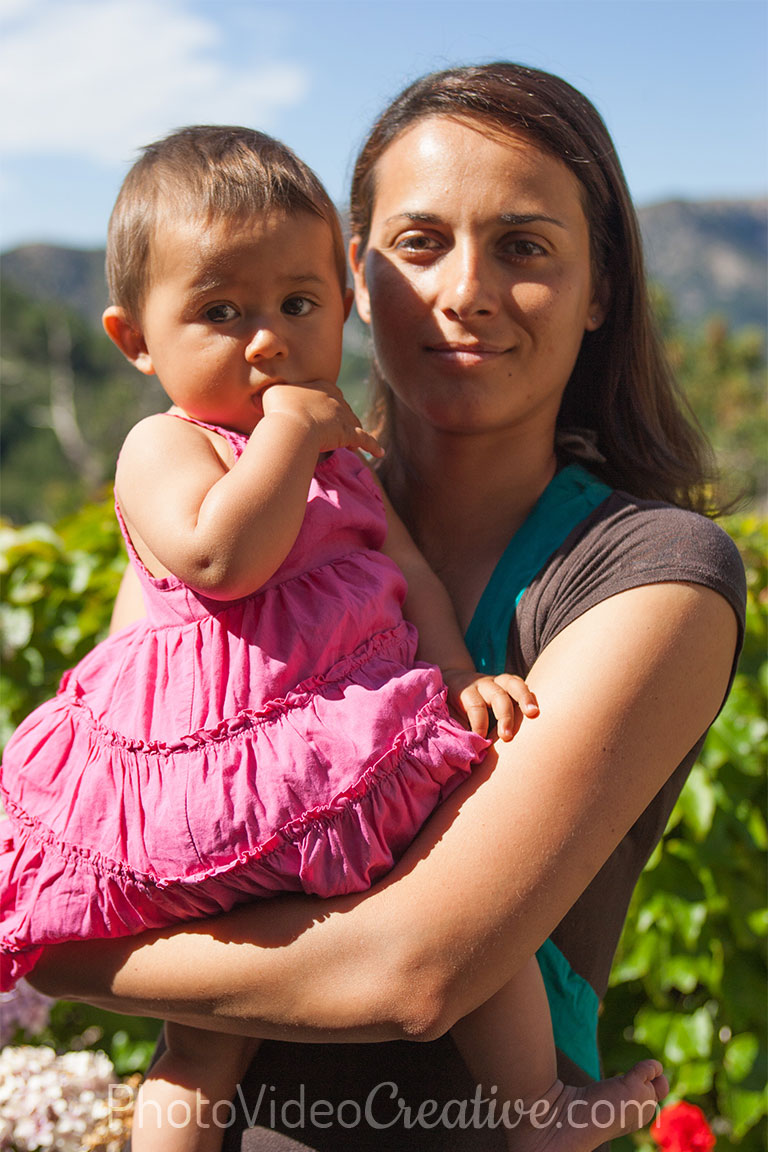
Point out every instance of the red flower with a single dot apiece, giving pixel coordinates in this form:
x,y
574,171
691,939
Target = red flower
x,y
682,1128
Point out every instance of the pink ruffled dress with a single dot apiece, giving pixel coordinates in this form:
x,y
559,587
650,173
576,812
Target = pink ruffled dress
x,y
219,751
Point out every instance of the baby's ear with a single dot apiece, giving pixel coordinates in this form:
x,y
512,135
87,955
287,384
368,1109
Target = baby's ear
x,y
128,338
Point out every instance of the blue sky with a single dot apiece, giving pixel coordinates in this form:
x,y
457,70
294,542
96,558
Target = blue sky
x,y
84,83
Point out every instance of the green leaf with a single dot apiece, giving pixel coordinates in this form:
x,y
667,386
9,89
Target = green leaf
x,y
697,802
16,627
740,1055
745,1109
689,1036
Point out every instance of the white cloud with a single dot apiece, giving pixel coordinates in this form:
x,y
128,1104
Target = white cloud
x,y
99,78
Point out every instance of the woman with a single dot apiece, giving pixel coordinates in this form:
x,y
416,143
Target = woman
x,y
496,258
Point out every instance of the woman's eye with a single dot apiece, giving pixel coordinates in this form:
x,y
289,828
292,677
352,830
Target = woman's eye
x,y
297,306
417,242
520,247
220,313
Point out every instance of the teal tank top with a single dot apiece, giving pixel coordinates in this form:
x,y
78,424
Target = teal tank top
x,y
568,499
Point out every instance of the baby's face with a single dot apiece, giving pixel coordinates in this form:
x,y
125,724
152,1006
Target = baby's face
x,y
236,306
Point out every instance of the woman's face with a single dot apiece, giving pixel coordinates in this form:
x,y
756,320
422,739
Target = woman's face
x,y
476,278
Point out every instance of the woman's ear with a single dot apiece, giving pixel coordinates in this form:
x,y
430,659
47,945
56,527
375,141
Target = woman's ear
x,y
357,263
598,307
128,338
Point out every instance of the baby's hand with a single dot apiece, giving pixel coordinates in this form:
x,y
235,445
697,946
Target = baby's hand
x,y
322,407
472,695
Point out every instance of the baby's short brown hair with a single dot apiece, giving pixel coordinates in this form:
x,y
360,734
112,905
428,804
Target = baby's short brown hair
x,y
206,173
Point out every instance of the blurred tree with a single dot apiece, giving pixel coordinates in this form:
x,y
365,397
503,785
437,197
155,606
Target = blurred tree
x,y
722,374
69,399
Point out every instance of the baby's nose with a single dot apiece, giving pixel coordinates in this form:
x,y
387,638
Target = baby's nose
x,y
264,344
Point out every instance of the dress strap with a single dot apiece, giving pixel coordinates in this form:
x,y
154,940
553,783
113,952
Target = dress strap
x,y
236,440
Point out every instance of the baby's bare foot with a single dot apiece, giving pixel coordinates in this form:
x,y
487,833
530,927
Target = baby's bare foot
x,y
571,1119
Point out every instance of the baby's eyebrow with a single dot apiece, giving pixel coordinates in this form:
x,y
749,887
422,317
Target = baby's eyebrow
x,y
305,278
218,279
211,276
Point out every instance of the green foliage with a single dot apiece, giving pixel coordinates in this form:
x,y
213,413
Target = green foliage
x,y
128,1041
722,375
58,589
689,982
41,476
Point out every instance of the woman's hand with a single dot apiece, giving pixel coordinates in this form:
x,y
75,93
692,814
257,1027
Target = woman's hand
x,y
322,409
473,696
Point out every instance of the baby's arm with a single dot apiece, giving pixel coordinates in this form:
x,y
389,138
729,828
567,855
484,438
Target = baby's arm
x,y
225,530
429,607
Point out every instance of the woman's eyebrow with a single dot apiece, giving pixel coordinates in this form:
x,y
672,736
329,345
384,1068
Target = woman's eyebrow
x,y
529,218
516,218
416,217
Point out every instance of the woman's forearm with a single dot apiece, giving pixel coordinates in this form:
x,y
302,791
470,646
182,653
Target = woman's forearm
x,y
489,877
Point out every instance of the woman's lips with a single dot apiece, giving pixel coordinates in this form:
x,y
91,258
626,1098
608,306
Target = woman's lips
x,y
466,354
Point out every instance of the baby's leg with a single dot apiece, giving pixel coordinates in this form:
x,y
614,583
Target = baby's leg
x,y
184,1103
507,1044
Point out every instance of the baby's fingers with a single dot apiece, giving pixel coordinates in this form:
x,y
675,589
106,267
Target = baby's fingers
x,y
511,693
474,707
517,689
367,442
509,698
501,704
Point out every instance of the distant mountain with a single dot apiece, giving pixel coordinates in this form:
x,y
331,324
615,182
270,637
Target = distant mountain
x,y
71,276
710,257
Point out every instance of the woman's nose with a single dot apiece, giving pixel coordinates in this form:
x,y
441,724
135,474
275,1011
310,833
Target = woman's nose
x,y
466,289
265,344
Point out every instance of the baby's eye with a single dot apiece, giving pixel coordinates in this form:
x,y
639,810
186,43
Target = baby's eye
x,y
297,306
220,313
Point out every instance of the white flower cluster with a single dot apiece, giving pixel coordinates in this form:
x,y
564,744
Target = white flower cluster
x,y
23,1007
56,1103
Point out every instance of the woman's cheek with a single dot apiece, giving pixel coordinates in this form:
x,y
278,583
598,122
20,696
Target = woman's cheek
x,y
396,288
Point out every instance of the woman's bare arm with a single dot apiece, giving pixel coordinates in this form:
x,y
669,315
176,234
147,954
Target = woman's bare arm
x,y
625,692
